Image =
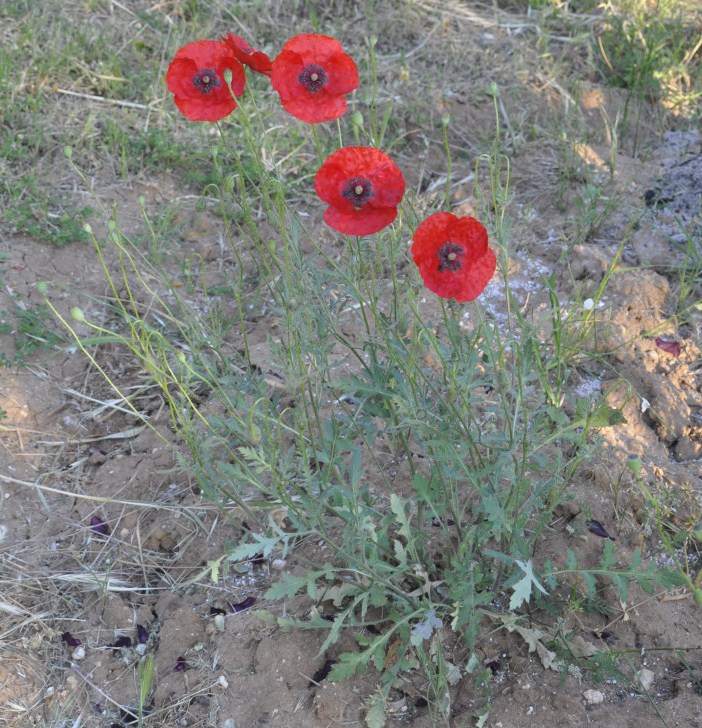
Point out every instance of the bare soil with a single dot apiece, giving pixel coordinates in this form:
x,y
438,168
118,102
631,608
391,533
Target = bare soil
x,y
75,565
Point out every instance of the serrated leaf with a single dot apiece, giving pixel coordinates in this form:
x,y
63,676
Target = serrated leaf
x,y
337,593
214,567
453,673
580,647
473,662
377,596
481,718
522,589
621,581
606,416
288,586
375,717
378,657
420,483
398,508
263,545
533,639
400,553
609,557
530,635
495,514
548,658
521,593
590,584
337,624
668,578
635,559
346,667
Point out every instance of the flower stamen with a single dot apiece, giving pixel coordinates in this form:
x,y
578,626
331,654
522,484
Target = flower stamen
x,y
450,257
205,80
313,78
358,191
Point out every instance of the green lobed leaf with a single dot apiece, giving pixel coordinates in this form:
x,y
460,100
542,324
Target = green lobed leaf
x,y
348,664
375,717
522,589
398,508
288,586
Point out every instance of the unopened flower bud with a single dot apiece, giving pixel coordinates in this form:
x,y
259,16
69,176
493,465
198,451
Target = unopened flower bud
x,y
356,119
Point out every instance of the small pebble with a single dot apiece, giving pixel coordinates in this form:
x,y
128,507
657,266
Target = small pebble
x,y
593,697
646,678
78,653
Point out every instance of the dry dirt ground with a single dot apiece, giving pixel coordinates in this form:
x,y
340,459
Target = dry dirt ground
x,y
130,576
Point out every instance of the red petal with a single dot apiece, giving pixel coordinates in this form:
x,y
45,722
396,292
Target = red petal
x,y
315,108
671,347
285,74
195,110
478,268
467,231
205,53
342,74
313,48
365,221
256,60
388,185
477,276
179,76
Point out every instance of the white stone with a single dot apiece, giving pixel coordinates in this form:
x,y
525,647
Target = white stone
x,y
646,678
78,653
593,697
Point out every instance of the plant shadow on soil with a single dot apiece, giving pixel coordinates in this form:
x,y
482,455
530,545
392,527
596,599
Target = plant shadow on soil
x,y
103,531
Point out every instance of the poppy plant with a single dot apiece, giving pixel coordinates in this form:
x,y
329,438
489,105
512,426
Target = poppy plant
x,y
256,60
312,74
362,187
196,79
453,256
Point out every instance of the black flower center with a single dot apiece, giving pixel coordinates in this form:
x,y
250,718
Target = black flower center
x,y
206,80
313,77
450,257
358,191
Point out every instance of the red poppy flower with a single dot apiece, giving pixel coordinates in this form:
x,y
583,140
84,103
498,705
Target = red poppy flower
x,y
453,256
256,60
362,187
196,79
311,75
